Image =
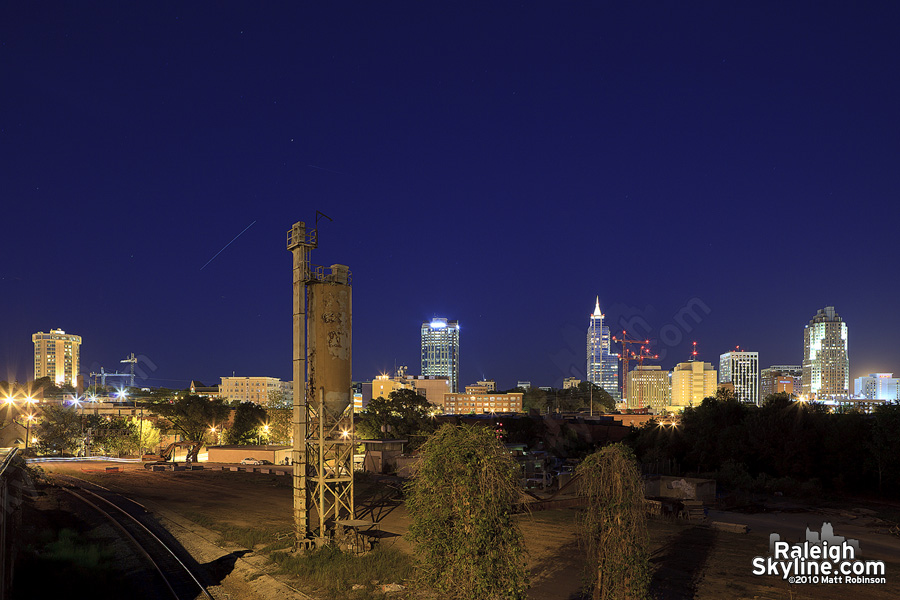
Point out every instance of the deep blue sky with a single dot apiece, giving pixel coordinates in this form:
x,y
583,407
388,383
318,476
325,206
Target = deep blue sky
x,y
496,163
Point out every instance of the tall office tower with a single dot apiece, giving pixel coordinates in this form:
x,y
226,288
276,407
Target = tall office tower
x,y
779,379
602,365
440,350
826,364
741,369
57,355
649,387
692,381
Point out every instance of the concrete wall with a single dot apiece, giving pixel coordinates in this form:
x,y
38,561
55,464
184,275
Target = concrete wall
x,y
235,454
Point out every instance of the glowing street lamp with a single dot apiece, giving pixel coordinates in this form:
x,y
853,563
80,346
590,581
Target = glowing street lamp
x,y
29,418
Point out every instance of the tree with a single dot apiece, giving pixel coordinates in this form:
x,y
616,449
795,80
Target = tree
x,y
114,435
614,528
279,409
147,433
59,429
583,396
885,443
249,419
404,414
534,399
460,501
192,416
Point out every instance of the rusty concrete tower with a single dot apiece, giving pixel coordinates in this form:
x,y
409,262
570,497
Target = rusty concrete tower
x,y
322,410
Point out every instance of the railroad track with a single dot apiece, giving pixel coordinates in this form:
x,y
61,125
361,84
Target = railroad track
x,y
131,519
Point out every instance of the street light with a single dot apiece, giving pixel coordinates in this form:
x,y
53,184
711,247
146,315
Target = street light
x,y
29,418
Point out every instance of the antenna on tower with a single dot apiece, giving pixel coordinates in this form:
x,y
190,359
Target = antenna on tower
x,y
321,214
694,353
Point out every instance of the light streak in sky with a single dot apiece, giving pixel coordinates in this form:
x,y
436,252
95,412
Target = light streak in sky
x,y
228,244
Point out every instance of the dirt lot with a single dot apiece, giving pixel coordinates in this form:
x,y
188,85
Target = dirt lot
x,y
688,561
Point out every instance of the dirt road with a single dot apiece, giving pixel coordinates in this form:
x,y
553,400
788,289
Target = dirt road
x,y
688,561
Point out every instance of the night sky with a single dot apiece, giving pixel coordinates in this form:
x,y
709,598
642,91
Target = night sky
x,y
496,163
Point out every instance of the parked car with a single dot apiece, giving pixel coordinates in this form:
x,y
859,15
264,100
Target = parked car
x,y
251,461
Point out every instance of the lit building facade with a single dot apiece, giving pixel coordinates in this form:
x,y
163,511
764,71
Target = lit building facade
x,y
877,386
440,350
431,388
779,379
826,363
57,355
602,363
255,389
482,403
692,381
489,384
741,369
383,385
649,387
570,382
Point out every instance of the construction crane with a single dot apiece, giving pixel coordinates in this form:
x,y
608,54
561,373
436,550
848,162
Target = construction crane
x,y
130,374
131,360
624,357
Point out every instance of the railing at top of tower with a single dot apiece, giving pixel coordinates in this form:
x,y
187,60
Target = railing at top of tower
x,y
321,273
304,237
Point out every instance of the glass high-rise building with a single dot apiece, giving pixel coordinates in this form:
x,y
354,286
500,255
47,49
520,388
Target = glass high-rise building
x,y
826,364
602,363
741,369
440,350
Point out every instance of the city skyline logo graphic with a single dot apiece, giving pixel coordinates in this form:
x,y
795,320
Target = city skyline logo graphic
x,y
822,557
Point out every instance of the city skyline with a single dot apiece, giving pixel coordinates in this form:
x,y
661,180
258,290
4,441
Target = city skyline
x,y
439,355
716,174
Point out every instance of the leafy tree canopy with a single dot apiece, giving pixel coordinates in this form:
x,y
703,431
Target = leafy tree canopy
x,y
192,416
59,429
404,414
249,419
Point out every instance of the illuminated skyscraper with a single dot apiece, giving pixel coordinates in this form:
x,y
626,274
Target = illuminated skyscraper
x,y
826,364
57,355
649,387
440,350
692,381
602,365
741,369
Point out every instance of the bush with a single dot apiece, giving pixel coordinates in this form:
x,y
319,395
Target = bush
x,y
460,502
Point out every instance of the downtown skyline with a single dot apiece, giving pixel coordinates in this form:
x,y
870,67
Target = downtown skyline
x,y
500,166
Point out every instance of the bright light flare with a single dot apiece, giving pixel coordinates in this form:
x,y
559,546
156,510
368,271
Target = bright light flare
x,y
345,434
